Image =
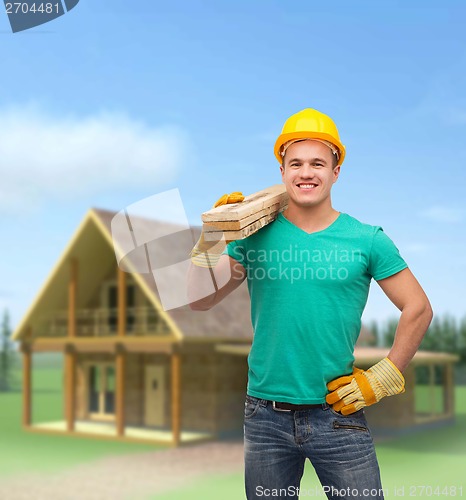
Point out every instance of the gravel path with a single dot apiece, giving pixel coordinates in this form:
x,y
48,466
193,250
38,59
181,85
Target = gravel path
x,y
128,477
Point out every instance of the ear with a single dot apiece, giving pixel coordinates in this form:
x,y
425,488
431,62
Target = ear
x,y
336,173
282,171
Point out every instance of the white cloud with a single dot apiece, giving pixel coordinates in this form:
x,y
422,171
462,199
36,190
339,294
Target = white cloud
x,y
443,214
43,156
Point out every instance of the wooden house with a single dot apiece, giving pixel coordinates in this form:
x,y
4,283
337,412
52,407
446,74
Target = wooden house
x,y
134,371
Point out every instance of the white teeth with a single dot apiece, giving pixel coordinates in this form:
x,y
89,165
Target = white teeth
x,y
307,186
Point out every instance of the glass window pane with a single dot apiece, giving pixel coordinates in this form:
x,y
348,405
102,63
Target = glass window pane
x,y
112,296
110,378
93,389
110,390
130,294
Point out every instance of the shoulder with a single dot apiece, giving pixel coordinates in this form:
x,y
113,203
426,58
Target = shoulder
x,y
381,244
361,229
266,233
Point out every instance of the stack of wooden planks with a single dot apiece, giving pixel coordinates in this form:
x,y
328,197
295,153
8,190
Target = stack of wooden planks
x,y
239,220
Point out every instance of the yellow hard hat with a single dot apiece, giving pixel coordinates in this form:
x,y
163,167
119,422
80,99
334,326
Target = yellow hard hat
x,y
309,124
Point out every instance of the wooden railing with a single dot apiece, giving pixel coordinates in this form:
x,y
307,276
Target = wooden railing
x,y
103,322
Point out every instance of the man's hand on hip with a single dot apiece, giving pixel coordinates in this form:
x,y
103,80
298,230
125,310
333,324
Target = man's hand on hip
x,y
365,387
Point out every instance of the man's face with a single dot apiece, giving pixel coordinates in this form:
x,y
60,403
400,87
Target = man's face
x,y
308,174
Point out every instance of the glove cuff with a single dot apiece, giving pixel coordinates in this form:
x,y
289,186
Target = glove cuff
x,y
207,253
205,260
389,377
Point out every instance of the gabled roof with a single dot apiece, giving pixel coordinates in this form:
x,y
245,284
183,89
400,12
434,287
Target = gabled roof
x,y
230,319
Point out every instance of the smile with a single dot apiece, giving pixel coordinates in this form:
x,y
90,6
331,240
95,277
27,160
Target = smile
x,y
307,186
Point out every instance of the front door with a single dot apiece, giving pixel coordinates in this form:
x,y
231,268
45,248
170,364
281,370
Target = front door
x,y
155,395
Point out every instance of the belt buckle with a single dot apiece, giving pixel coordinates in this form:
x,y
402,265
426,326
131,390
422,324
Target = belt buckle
x,y
278,409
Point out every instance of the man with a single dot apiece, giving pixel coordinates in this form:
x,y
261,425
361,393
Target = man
x,y
309,273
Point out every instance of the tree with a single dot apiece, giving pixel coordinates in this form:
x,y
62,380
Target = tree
x,y
462,340
442,335
373,327
388,332
7,355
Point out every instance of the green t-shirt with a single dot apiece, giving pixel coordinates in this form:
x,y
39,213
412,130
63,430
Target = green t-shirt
x,y
308,293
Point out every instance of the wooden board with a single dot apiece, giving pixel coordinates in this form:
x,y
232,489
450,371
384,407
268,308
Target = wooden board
x,y
239,220
244,232
236,225
251,204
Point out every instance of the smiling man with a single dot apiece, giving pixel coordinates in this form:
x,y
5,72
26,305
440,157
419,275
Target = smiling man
x,y
305,398
310,174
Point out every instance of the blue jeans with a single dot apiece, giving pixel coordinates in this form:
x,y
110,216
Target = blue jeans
x,y
277,443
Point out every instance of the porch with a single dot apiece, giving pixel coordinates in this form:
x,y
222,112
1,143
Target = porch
x,y
108,430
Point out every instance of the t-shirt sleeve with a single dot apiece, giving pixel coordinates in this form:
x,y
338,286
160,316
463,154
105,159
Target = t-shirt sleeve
x,y
236,250
385,259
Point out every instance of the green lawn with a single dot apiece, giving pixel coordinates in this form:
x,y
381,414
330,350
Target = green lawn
x,y
21,450
430,458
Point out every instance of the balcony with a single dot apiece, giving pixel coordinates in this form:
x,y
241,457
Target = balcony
x,y
103,322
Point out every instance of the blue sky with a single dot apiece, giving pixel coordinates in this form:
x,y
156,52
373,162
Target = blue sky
x,y
116,101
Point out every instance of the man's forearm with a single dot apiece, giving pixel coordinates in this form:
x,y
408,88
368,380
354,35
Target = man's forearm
x,y
412,326
201,287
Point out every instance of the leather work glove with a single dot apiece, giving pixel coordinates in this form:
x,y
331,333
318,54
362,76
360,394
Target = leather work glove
x,y
207,253
364,388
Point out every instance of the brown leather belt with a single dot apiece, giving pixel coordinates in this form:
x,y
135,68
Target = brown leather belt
x,y
291,407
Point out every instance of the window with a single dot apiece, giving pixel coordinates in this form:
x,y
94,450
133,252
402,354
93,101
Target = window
x,y
101,390
112,304
431,391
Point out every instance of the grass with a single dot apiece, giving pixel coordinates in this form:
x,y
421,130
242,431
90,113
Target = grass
x,y
429,458
22,451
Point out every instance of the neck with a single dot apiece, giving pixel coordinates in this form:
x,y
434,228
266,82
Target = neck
x,y
311,218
